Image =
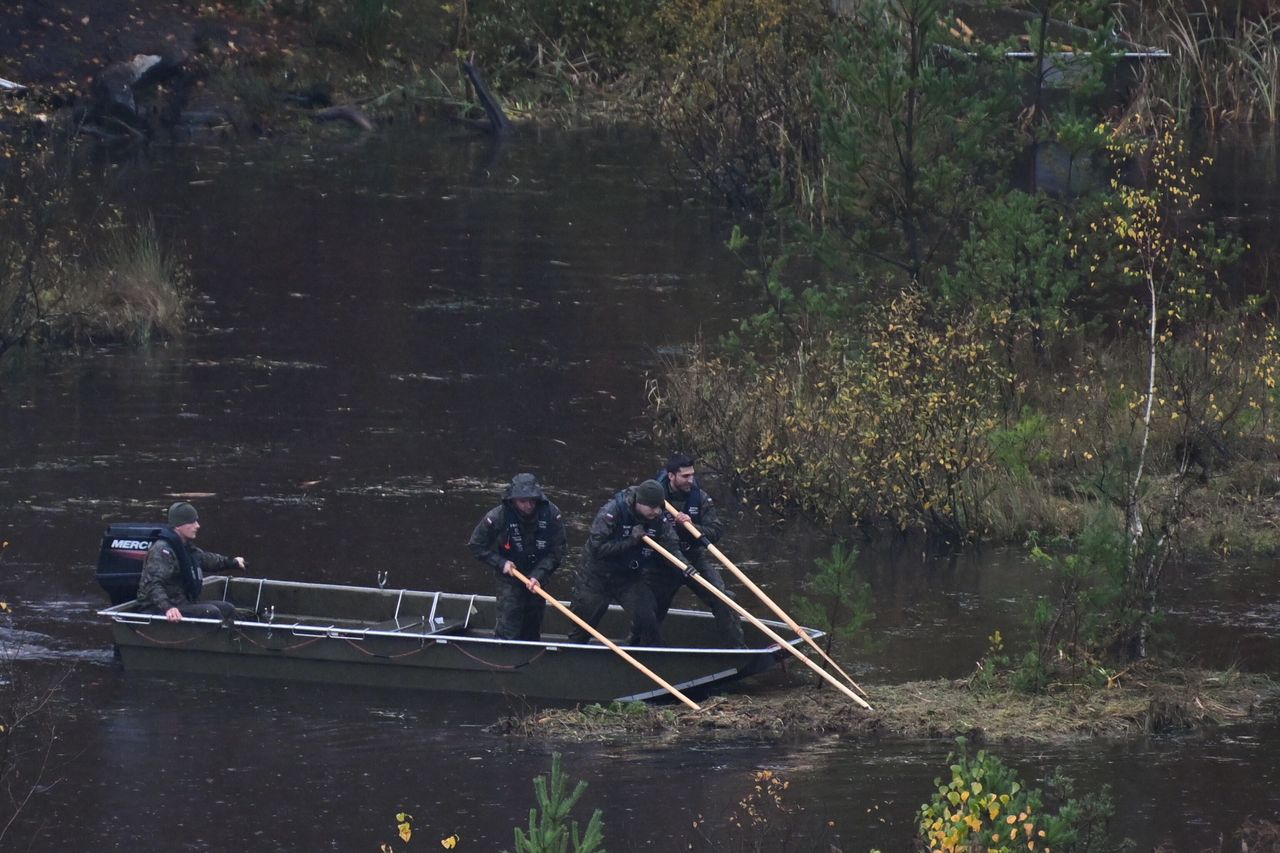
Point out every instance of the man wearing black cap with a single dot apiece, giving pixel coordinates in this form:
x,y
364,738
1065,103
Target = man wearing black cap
x,y
617,558
173,572
695,507
524,532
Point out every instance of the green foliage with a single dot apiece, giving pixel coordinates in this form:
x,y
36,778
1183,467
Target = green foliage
x,y
1079,624
550,830
885,422
985,807
988,669
1020,254
1024,445
731,88
914,137
617,709
837,600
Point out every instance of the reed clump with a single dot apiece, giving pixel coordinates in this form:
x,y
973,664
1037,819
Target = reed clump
x,y
65,280
1225,63
137,290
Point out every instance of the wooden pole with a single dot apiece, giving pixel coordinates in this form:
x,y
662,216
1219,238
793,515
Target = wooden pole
x,y
742,611
769,602
515,573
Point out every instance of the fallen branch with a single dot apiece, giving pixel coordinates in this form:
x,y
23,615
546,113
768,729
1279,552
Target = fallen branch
x,y
345,112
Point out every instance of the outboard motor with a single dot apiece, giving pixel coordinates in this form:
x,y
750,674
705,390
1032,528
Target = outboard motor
x,y
124,548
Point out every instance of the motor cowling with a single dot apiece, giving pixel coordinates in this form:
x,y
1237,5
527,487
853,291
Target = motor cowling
x,y
124,548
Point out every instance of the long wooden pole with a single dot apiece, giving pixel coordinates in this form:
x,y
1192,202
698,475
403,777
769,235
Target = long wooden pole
x,y
742,611
515,573
769,602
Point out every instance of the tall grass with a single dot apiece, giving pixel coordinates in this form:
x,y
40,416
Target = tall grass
x,y
1225,62
135,291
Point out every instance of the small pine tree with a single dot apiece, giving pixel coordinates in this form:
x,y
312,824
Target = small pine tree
x,y
550,830
839,601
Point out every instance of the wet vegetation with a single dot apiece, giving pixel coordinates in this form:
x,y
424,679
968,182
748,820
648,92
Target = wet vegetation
x,y
1144,700
979,804
67,279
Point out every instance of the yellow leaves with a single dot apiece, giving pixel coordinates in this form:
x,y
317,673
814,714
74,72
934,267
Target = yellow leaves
x,y
450,842
404,824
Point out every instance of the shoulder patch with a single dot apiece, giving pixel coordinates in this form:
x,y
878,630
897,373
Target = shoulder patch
x,y
488,521
609,516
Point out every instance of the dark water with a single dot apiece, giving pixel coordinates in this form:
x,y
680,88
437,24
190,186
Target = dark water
x,y
392,329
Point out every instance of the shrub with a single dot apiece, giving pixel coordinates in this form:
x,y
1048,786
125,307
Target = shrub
x,y
550,830
985,808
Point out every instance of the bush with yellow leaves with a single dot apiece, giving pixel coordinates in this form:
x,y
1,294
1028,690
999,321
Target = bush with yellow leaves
x,y
888,422
984,808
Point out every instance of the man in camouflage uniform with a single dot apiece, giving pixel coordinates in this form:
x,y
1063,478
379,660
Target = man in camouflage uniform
x,y
681,490
617,558
174,569
523,532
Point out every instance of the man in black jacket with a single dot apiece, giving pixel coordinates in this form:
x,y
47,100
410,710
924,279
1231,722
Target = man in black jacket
x,y
694,506
174,569
524,532
617,557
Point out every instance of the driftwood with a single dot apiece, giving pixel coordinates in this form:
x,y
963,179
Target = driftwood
x,y
498,124
345,112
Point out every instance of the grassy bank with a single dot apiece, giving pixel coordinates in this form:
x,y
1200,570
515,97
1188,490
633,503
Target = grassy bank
x,y
1143,701
66,280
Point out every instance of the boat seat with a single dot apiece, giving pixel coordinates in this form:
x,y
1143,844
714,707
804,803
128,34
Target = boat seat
x,y
448,626
405,623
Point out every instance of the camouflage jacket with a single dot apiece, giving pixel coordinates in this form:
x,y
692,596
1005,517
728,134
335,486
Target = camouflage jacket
x,y
162,584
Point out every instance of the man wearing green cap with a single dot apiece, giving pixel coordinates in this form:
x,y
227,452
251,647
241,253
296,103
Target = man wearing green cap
x,y
173,572
617,558
524,532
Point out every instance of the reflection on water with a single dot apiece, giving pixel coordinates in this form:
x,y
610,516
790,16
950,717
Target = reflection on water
x,y
390,333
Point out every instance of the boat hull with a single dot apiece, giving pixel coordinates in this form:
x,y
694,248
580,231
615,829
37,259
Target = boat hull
x,y
422,640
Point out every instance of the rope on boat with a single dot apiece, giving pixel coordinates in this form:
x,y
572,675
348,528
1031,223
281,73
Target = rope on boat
x,y
301,645
355,645
181,642
493,665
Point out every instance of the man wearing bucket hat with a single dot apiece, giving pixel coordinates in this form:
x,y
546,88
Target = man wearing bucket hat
x,y
524,532
174,569
617,558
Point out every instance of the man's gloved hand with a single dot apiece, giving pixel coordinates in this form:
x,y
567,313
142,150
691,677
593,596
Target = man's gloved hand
x,y
637,534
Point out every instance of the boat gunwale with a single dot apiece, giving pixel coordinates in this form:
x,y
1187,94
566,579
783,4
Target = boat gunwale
x,y
120,614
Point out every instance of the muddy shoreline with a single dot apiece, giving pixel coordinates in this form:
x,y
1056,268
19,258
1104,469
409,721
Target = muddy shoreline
x,y
1153,702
